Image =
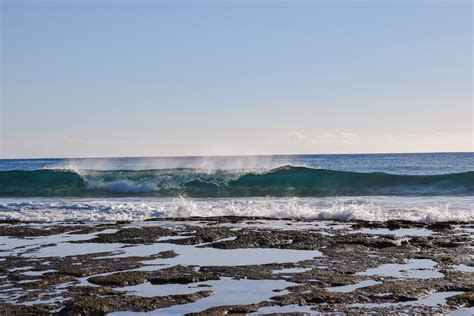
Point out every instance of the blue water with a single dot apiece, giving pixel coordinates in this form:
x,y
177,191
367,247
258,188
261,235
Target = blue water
x,y
424,187
415,164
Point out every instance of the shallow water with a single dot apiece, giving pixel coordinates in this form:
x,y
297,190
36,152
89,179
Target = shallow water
x,y
189,255
306,310
60,245
414,268
227,292
463,268
16,246
291,270
437,298
468,311
38,273
352,287
402,232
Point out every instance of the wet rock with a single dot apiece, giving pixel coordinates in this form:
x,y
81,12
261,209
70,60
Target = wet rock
x,y
181,275
378,242
440,226
167,254
345,254
315,296
272,239
133,235
203,235
28,231
406,290
229,310
121,278
394,225
255,272
391,224
104,301
462,300
81,266
15,309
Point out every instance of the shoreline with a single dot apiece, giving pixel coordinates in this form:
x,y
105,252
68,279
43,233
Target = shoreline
x,y
235,264
391,223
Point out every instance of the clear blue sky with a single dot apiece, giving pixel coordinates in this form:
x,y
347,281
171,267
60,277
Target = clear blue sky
x,y
144,78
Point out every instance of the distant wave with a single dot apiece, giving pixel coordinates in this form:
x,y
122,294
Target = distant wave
x,y
287,181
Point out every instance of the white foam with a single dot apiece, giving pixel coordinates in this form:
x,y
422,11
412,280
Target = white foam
x,y
380,208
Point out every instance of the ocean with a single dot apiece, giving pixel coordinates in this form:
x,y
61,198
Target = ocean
x,y
420,187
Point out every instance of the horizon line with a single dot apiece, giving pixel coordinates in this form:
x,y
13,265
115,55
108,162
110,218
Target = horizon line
x,y
243,155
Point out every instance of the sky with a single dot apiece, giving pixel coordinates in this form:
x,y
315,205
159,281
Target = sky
x,y
157,78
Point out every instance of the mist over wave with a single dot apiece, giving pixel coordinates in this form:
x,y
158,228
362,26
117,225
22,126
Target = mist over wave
x,y
202,163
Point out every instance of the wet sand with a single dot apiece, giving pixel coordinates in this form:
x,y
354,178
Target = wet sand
x,y
236,265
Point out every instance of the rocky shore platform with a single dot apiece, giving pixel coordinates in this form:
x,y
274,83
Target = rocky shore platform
x,y
236,265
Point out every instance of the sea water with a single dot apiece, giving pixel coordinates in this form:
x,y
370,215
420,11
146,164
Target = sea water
x,y
421,187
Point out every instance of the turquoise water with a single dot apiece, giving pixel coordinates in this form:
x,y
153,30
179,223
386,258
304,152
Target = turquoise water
x,y
425,187
279,176
284,181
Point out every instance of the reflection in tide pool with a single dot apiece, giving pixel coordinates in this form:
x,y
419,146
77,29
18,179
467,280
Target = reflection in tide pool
x,y
187,255
227,291
412,269
352,287
437,298
304,310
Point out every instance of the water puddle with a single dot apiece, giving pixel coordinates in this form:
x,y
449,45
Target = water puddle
x,y
149,290
352,287
167,238
38,273
18,246
21,269
402,232
468,311
463,268
435,299
291,270
72,249
189,255
227,291
305,310
412,269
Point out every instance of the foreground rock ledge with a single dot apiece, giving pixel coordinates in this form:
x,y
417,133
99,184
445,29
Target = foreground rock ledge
x,y
90,282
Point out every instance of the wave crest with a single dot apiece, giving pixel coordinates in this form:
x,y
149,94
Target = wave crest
x,y
284,181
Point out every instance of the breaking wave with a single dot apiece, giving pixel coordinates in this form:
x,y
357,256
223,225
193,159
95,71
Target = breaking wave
x,y
287,181
375,208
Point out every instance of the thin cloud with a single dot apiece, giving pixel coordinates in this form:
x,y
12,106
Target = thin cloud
x,y
349,135
72,140
297,135
326,137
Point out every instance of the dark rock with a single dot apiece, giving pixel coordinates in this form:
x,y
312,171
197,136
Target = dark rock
x,y
440,226
103,301
462,300
181,275
121,278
